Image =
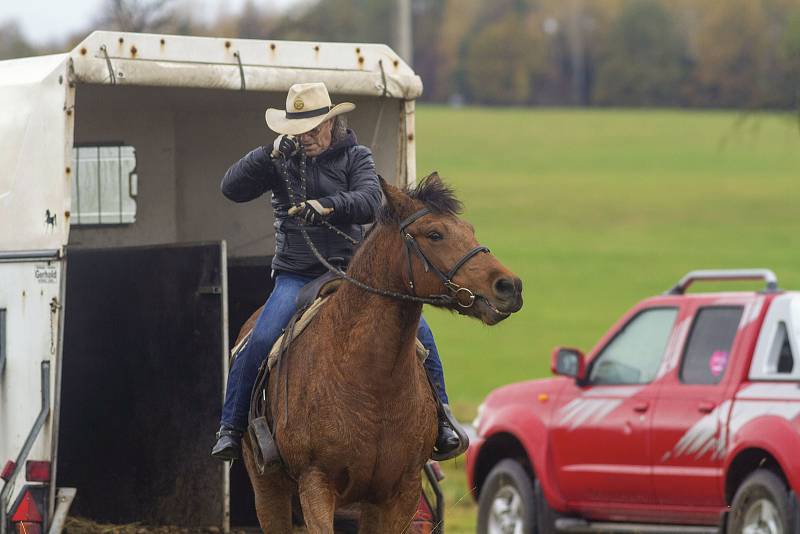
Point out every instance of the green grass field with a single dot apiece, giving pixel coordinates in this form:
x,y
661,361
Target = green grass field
x,y
596,210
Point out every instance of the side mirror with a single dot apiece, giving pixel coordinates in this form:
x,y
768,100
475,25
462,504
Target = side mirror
x,y
568,362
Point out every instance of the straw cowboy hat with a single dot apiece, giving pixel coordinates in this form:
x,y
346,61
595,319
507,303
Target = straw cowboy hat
x,y
307,106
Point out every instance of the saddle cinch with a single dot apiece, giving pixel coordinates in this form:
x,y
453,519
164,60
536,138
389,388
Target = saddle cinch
x,y
309,301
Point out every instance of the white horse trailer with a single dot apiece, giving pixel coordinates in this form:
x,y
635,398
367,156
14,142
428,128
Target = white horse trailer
x,y
124,273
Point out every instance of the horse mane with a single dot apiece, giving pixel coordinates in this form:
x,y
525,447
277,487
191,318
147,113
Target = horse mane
x,y
433,192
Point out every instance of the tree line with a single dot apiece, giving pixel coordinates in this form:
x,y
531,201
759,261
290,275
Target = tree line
x,y
715,53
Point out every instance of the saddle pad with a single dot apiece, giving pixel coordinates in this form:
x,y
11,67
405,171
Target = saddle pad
x,y
300,325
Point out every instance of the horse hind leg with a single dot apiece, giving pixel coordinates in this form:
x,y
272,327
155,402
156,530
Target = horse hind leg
x,y
273,495
318,499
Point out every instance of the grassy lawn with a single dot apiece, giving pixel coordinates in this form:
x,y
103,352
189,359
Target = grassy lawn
x,y
596,210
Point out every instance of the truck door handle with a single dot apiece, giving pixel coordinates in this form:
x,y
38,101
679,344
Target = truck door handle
x,y
641,407
706,407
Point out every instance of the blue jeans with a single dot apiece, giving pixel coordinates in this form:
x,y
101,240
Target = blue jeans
x,y
278,310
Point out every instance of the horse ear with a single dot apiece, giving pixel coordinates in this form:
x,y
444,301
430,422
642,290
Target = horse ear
x,y
398,202
434,177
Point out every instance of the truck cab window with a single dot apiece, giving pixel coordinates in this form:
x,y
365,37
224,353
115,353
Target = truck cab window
x,y
781,358
635,353
105,185
709,346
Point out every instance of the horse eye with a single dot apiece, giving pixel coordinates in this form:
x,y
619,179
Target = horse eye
x,y
434,236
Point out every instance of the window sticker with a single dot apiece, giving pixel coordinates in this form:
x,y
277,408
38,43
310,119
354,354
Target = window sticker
x,y
718,362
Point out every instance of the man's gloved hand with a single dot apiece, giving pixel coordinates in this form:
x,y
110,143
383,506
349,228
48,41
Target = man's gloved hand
x,y
311,211
284,145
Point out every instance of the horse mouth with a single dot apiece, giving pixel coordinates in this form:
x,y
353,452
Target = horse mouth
x,y
492,314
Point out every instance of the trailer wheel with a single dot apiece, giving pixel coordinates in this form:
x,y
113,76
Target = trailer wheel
x,y
761,505
507,504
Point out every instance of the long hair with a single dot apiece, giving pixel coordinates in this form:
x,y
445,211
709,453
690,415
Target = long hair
x,y
339,129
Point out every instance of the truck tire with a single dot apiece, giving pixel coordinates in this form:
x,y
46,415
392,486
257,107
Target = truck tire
x,y
507,503
761,504
545,515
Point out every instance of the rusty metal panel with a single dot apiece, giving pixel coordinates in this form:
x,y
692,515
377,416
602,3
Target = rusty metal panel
x,y
141,384
242,64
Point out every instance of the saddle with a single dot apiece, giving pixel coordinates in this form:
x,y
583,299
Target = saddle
x,y
309,301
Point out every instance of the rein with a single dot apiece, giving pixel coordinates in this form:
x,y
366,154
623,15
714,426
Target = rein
x,y
411,246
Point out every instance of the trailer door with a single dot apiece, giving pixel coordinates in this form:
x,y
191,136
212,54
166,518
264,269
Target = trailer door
x,y
145,343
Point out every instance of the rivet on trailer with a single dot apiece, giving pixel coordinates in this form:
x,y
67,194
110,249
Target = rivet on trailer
x,y
115,319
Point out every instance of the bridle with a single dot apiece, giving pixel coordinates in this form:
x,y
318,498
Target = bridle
x,y
446,278
446,300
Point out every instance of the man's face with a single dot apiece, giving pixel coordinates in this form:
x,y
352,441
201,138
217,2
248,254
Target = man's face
x,y
316,141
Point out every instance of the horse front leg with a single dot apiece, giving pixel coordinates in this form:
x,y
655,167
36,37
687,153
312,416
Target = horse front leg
x,y
273,494
318,501
398,513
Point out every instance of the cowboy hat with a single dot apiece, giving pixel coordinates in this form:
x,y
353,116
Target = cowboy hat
x,y
307,106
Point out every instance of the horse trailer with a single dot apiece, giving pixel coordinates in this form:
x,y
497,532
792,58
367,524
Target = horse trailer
x,y
124,273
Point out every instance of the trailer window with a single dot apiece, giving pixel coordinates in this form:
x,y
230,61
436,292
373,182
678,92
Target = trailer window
x,y
105,185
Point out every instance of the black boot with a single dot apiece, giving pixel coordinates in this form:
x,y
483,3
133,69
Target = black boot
x,y
446,440
228,445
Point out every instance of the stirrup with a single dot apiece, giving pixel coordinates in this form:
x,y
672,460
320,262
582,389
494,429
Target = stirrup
x,y
457,428
265,451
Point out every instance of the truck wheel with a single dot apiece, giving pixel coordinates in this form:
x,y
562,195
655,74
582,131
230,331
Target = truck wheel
x,y
761,505
507,504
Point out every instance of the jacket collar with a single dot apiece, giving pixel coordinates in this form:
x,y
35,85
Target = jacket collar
x,y
348,141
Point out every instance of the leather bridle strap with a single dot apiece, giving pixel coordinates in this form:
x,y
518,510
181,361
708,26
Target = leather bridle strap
x,y
447,279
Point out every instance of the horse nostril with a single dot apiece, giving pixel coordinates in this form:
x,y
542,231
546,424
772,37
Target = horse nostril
x,y
505,287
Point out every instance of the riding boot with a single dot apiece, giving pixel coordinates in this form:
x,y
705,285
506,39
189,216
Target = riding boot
x,y
228,445
446,440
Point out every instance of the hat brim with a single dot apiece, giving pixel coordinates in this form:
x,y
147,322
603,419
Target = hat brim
x,y
278,123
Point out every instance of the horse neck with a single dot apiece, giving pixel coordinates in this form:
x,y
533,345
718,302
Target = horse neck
x,y
386,327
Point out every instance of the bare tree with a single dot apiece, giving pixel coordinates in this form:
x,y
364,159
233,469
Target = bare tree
x,y
138,15
12,42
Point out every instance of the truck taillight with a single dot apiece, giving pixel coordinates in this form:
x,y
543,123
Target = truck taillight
x,y
27,519
37,471
8,469
423,519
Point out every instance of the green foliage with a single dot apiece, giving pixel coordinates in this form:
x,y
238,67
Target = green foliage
x,y
501,61
645,59
790,55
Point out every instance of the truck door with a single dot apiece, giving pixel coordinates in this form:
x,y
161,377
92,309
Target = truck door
x,y
688,443
600,433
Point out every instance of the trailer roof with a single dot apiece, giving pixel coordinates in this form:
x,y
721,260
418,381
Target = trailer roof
x,y
247,64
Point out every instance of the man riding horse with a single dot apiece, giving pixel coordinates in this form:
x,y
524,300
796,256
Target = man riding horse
x,y
340,181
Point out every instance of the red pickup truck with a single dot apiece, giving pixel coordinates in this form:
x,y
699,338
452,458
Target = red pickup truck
x,y
685,417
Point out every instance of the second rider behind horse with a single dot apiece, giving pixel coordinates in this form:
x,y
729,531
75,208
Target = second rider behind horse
x,y
342,188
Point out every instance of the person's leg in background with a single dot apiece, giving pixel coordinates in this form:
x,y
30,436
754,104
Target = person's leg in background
x,y
274,317
446,440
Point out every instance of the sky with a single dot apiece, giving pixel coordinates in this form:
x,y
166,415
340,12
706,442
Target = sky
x,y
49,21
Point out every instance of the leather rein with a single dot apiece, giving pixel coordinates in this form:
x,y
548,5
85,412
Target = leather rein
x,y
457,292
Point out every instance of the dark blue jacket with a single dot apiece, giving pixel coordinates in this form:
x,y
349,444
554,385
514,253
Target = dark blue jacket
x,y
343,178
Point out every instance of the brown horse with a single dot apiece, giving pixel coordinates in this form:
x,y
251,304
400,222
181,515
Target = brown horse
x,y
361,415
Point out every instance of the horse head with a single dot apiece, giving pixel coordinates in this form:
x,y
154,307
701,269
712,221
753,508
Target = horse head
x,y
443,260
